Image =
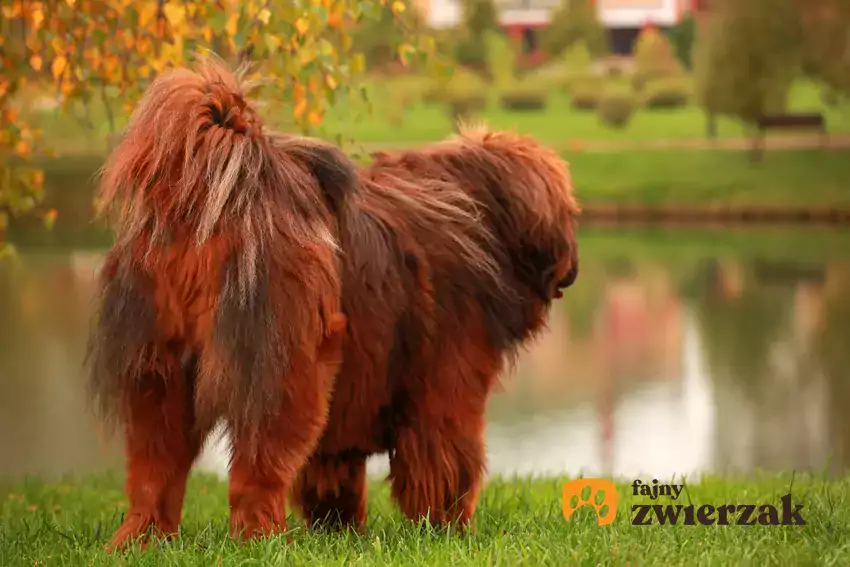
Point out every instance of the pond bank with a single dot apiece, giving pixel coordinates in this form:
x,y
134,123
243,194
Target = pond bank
x,y
605,215
680,186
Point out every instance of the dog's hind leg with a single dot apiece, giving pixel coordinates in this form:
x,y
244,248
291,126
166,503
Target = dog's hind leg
x,y
331,491
161,443
265,464
438,464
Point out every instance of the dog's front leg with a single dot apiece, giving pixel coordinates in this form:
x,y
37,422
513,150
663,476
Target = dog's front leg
x,y
161,444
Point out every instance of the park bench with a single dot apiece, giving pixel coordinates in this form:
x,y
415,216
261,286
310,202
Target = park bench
x,y
798,121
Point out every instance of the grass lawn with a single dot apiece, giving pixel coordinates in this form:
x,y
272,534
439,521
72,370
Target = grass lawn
x,y
518,522
796,178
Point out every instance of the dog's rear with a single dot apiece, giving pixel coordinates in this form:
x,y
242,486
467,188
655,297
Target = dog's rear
x,y
220,297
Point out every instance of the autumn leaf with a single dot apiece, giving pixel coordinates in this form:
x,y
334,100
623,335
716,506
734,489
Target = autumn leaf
x,y
9,115
58,66
302,25
404,52
232,22
314,117
50,218
146,11
398,7
175,13
313,85
300,108
35,61
12,10
264,16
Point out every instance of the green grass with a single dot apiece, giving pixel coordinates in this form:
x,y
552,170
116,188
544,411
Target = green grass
x,y
806,178
519,522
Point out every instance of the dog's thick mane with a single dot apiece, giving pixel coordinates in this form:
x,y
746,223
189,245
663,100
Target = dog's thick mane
x,y
518,209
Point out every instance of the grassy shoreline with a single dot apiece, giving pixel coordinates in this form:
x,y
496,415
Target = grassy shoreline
x,y
807,178
519,522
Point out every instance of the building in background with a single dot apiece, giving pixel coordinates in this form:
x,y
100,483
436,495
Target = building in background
x,y
623,19
523,19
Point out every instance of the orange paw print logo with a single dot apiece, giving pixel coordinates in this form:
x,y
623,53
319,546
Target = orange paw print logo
x,y
598,493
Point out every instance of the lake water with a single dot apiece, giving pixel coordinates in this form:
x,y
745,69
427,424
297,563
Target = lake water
x,y
678,351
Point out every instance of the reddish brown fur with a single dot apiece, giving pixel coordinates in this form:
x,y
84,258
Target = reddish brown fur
x,y
223,299
435,310
220,298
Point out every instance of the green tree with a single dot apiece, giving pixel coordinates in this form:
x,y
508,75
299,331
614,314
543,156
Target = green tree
x,y
107,51
826,41
682,35
572,21
747,61
479,17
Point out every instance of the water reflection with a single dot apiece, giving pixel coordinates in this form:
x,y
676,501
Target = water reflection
x,y
673,359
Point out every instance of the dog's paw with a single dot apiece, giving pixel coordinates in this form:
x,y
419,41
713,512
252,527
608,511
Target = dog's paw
x,y
137,528
246,526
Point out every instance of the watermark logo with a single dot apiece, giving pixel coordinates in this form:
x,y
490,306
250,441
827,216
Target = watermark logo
x,y
602,497
790,514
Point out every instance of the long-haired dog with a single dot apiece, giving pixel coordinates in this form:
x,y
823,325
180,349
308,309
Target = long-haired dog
x,y
224,298
437,304
220,299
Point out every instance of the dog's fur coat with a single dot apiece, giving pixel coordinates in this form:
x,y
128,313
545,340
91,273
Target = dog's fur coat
x,y
240,257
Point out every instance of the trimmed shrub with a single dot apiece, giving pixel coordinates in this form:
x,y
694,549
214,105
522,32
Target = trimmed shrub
x,y
583,82
615,109
524,99
464,94
585,97
666,94
573,21
471,53
654,58
465,105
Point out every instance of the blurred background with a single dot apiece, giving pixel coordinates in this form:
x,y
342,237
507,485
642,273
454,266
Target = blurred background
x,y
709,329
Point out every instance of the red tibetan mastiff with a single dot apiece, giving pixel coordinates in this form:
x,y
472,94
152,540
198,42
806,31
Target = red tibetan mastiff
x,y
325,313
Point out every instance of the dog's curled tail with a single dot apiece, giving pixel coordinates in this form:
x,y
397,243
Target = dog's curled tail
x,y
193,140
